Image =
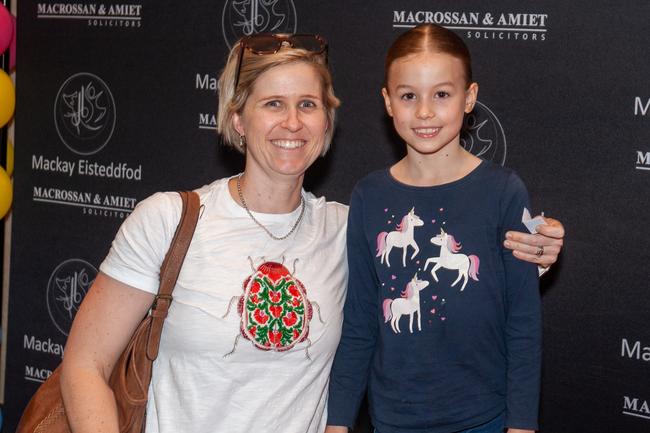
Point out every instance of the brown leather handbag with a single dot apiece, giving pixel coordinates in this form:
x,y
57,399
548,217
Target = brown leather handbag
x,y
132,373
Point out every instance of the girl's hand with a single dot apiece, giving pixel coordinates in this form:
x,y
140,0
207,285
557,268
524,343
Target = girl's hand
x,y
548,241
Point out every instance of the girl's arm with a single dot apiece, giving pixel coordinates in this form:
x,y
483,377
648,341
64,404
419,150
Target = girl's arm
x,y
524,246
107,318
523,327
349,375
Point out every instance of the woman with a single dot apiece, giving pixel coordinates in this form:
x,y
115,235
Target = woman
x,y
277,107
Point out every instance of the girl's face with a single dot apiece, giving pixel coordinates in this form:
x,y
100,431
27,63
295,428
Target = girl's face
x,y
284,121
427,97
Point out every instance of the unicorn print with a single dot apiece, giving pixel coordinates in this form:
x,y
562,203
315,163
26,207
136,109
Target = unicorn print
x,y
409,304
400,238
450,258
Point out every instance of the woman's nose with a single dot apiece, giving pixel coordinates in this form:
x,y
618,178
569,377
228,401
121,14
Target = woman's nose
x,y
292,121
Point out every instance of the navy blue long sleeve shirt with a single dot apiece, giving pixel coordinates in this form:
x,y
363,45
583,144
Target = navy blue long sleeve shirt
x,y
442,324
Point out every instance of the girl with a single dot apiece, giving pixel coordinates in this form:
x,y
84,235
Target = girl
x,y
442,323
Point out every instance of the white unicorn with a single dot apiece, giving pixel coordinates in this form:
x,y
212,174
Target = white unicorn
x,y
400,238
409,303
450,260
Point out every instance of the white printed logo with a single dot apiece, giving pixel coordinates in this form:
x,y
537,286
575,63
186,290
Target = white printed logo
x,y
120,15
636,407
479,25
634,350
642,160
483,136
84,113
641,106
245,17
36,374
66,289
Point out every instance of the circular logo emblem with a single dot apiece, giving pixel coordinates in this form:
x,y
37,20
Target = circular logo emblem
x,y
245,17
66,289
84,113
483,135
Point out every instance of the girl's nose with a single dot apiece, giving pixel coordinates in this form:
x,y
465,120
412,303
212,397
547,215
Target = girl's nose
x,y
424,111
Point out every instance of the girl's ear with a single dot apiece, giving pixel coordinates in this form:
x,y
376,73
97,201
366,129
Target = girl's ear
x,y
384,93
470,97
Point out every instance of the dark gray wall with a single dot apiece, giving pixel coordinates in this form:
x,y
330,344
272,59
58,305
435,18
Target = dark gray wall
x,y
564,99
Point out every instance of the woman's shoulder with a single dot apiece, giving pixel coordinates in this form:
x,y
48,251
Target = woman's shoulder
x,y
329,208
165,203
168,204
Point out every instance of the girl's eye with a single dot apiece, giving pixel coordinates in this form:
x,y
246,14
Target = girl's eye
x,y
409,96
441,94
273,104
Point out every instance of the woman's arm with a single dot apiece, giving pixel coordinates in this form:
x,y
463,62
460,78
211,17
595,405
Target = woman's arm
x,y
525,246
106,320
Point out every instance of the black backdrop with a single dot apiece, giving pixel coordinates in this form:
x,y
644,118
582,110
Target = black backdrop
x,y
565,101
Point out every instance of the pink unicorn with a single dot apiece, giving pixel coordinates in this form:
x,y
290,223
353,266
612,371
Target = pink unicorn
x,y
409,304
449,259
401,238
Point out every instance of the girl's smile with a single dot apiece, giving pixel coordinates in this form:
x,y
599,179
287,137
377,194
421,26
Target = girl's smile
x,y
426,132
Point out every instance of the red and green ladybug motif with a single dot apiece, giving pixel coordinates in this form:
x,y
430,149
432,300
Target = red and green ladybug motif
x,y
274,309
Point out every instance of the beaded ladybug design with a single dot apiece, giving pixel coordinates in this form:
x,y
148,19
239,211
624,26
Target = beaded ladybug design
x,y
274,309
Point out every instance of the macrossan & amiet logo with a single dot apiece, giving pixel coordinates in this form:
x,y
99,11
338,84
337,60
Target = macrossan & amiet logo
x,y
637,407
113,15
529,26
642,160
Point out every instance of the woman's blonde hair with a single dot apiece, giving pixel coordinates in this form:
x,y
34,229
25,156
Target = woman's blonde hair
x,y
232,100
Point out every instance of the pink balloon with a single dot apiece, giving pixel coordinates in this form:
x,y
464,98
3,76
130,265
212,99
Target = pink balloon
x,y
12,46
6,28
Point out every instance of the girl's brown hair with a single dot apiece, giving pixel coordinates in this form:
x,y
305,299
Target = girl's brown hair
x,y
429,38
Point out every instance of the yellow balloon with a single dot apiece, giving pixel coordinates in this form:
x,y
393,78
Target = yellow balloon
x,y
7,98
10,158
6,193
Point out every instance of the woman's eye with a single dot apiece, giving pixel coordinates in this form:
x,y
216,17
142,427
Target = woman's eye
x,y
409,96
273,104
308,104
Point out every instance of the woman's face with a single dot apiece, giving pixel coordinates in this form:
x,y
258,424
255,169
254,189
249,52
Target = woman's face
x,y
284,121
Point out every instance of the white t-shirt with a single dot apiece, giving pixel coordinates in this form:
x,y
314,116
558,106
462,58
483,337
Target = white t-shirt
x,y
195,388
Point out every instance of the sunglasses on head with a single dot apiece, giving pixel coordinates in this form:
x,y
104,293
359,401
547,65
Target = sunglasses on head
x,y
268,43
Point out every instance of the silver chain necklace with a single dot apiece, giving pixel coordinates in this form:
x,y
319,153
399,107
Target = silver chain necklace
x,y
250,214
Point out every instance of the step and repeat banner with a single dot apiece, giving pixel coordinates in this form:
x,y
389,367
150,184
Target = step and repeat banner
x,y
117,100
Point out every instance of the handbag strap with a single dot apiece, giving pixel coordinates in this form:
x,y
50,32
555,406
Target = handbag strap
x,y
171,267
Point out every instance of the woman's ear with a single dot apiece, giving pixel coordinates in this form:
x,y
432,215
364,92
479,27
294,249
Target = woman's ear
x,y
237,124
470,97
384,93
